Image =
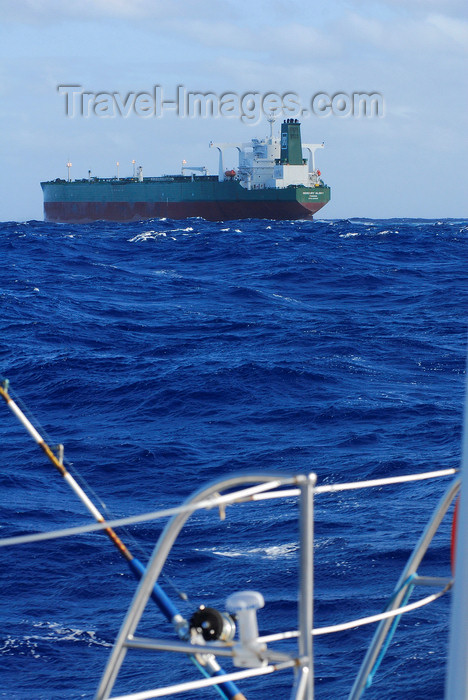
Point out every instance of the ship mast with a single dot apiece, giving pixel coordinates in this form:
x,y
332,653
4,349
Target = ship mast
x,y
271,120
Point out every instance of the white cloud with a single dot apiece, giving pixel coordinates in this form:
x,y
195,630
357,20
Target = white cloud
x,y
403,36
452,30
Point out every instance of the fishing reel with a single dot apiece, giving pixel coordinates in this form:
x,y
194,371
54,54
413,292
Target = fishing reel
x,y
213,625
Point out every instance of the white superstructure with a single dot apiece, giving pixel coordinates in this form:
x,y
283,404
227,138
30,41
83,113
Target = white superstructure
x,y
261,166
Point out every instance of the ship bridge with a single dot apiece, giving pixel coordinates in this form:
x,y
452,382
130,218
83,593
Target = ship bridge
x,y
273,162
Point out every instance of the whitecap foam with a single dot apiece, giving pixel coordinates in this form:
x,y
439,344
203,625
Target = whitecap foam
x,y
280,296
167,273
280,551
146,235
54,631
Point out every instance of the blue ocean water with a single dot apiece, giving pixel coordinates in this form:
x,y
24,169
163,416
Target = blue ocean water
x,y
165,354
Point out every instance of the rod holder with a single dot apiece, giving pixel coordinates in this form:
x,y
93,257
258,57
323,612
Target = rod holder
x,y
244,605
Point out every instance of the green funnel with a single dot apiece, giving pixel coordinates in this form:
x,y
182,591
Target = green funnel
x,y
291,144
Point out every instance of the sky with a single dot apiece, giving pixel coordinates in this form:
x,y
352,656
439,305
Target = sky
x,y
410,161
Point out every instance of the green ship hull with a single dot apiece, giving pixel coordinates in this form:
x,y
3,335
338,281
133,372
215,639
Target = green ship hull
x,y
176,197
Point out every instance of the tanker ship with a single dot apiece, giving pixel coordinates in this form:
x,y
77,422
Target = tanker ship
x,y
273,181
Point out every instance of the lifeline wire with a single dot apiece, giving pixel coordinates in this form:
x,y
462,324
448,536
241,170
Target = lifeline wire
x,y
360,622
253,494
208,504
334,488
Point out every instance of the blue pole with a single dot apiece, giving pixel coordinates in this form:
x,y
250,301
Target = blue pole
x,y
161,599
169,610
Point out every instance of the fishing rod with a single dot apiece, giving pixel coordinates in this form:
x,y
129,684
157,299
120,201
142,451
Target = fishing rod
x,y
206,663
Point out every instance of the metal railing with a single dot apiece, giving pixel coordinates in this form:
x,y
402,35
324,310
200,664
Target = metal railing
x,y
270,661
251,652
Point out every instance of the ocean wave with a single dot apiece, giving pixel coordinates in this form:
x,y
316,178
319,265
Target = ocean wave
x,y
334,347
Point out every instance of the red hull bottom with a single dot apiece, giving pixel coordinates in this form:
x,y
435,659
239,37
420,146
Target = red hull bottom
x,y
83,212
